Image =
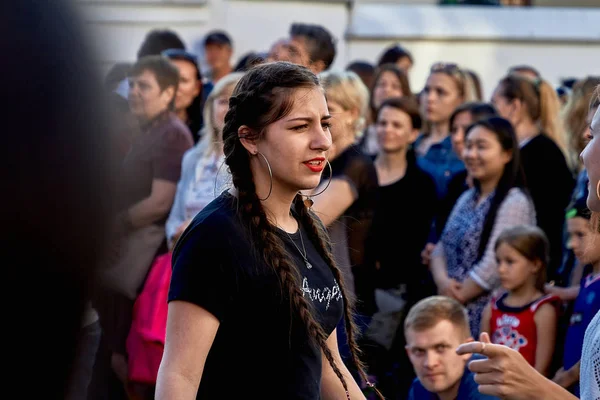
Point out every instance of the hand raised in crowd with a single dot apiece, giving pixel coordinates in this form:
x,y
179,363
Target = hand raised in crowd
x,y
549,288
564,293
567,378
506,374
426,253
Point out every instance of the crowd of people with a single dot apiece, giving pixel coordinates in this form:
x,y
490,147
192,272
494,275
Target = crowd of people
x,y
285,229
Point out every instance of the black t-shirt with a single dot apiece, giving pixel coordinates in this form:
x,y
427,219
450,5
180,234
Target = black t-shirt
x,y
359,170
401,226
261,349
349,233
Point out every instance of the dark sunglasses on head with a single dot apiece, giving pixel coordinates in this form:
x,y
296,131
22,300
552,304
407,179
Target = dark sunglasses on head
x,y
449,68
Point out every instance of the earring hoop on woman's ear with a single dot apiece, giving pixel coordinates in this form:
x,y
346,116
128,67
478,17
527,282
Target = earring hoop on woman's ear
x,y
598,190
309,202
270,175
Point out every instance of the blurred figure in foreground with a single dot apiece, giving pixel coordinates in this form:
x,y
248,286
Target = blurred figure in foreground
x,y
57,186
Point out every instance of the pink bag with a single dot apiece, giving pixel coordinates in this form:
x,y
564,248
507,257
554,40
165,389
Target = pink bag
x,y
146,340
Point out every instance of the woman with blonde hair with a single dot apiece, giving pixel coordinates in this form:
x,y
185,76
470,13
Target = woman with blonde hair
x,y
346,208
447,87
574,117
202,176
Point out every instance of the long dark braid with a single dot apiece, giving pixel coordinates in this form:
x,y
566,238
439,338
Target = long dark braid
x,y
263,96
320,238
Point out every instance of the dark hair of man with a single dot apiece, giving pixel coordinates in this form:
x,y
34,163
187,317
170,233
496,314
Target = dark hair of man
x,y
393,54
157,41
320,42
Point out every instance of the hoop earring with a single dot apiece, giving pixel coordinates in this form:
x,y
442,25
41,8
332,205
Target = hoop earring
x,y
270,176
309,201
598,190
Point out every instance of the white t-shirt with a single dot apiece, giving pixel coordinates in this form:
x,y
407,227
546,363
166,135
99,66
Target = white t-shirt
x,y
590,361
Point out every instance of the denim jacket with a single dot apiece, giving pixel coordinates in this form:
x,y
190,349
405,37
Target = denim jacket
x,y
441,162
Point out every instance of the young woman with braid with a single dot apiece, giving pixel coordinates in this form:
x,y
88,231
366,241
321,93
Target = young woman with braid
x,y
255,295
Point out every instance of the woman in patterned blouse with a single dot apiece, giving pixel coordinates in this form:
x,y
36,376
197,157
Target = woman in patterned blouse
x,y
463,263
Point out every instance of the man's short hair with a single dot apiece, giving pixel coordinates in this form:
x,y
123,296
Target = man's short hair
x,y
218,38
157,41
166,73
320,42
430,311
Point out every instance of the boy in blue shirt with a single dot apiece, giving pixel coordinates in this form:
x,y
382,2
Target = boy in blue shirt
x,y
434,328
585,243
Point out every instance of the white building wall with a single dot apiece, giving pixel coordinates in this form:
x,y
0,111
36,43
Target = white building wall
x,y
560,42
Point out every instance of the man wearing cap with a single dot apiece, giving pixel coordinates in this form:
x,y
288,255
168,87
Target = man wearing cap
x,y
218,50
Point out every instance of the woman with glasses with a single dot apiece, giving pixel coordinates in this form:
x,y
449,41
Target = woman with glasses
x,y
447,87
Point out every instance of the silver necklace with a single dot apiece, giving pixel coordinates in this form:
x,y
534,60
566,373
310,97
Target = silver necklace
x,y
308,265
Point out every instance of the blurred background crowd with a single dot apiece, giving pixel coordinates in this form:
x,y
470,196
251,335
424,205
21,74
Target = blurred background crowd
x,y
441,149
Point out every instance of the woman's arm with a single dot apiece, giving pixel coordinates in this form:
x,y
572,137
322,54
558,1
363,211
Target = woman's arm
x,y
438,264
516,209
569,377
439,272
545,324
191,331
564,293
154,207
177,214
468,290
332,203
445,285
331,386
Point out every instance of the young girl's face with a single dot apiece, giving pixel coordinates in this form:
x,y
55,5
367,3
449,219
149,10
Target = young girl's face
x,y
582,240
514,269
